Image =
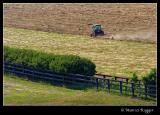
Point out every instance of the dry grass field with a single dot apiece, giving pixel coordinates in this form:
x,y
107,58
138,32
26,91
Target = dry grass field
x,y
121,21
111,57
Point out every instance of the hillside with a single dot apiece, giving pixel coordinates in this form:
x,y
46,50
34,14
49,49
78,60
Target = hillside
x,y
120,21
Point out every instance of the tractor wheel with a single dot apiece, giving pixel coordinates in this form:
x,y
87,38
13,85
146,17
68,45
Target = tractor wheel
x,y
93,34
102,32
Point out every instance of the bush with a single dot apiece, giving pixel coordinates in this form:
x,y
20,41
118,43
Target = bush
x,y
151,77
150,81
134,77
56,63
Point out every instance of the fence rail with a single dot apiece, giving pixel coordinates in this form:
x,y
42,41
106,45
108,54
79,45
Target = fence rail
x,y
101,82
63,79
128,88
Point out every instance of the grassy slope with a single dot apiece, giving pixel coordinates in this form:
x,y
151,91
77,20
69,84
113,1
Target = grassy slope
x,y
111,57
19,91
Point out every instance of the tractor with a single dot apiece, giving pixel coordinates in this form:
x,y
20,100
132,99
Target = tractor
x,y
97,30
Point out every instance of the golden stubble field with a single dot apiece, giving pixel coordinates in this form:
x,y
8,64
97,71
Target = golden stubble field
x,y
121,21
111,57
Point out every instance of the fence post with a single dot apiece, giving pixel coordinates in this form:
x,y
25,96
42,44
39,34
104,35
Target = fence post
x,y
132,88
145,90
103,81
127,81
108,82
33,73
63,81
13,69
23,69
120,87
139,86
96,84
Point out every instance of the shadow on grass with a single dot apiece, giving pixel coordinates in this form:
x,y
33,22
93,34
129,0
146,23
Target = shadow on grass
x,y
77,87
50,82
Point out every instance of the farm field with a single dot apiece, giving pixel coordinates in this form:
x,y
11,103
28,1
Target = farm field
x,y
130,45
19,91
121,21
111,57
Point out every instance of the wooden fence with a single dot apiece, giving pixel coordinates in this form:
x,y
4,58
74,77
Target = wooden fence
x,y
127,88
48,76
119,85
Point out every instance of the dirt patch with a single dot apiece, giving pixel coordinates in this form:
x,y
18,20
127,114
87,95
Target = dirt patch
x,y
124,21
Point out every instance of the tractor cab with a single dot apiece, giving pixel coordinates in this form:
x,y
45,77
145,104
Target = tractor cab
x,y
96,27
97,30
